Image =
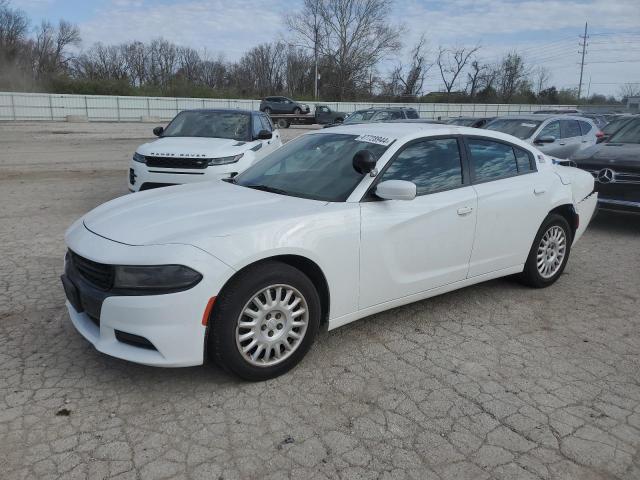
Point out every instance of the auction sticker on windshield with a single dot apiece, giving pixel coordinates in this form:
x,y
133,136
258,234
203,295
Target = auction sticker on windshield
x,y
378,140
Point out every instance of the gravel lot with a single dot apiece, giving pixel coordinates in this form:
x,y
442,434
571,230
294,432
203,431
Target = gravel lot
x,y
493,381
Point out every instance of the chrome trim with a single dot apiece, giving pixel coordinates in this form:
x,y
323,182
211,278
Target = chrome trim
x,y
625,203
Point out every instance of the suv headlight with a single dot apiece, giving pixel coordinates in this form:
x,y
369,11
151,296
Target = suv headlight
x,y
225,160
139,158
160,278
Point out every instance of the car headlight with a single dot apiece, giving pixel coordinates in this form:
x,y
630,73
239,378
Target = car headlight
x,y
160,278
139,158
225,160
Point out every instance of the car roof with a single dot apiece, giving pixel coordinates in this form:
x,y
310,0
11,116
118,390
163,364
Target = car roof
x,y
541,117
219,110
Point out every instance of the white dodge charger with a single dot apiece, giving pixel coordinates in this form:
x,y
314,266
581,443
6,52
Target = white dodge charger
x,y
200,145
334,226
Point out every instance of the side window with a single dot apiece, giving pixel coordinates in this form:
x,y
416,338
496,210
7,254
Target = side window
x,y
323,109
551,129
433,165
523,159
585,127
492,160
570,128
257,125
411,114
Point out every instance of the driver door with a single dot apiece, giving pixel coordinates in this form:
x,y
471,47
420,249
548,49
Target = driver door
x,y
408,247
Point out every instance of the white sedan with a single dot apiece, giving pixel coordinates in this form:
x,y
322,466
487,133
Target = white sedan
x,y
200,145
334,226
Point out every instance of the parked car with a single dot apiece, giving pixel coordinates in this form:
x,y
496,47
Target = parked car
x,y
325,115
383,114
599,120
613,126
557,135
417,120
615,165
200,145
282,105
336,225
557,111
476,122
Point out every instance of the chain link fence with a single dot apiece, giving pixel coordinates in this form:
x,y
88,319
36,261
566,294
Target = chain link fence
x,y
61,107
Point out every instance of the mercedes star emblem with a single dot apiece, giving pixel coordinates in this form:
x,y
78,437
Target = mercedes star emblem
x,y
605,175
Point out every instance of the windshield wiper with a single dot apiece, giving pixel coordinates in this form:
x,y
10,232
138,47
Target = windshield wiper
x,y
267,188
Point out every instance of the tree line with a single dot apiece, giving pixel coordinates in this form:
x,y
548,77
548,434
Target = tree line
x,y
347,41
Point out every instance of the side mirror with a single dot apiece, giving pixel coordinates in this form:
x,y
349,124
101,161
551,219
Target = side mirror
x,y
364,162
545,139
158,131
264,135
396,190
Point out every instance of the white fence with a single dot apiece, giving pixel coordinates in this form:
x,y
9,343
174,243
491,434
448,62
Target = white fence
x,y
43,106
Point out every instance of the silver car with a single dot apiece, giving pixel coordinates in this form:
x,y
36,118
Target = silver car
x,y
558,135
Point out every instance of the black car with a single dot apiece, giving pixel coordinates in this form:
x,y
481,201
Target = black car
x,y
476,122
615,165
282,105
613,126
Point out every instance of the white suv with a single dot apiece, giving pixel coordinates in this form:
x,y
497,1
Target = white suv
x,y
200,145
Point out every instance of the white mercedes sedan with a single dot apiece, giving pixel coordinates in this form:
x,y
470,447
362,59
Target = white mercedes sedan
x,y
334,226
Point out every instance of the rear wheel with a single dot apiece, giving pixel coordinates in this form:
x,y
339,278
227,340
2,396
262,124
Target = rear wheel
x,y
549,254
264,321
282,123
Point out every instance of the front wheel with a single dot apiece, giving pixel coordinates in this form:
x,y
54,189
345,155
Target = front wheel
x,y
549,254
264,321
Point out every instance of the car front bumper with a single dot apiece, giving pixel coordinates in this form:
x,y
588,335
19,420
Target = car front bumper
x,y
171,325
142,177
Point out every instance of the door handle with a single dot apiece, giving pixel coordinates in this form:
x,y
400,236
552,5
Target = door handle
x,y
465,210
539,190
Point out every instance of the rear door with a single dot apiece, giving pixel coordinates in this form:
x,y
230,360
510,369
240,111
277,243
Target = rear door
x,y
557,147
588,134
571,137
513,199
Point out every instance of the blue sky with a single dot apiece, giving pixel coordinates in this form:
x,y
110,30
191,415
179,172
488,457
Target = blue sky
x,y
546,32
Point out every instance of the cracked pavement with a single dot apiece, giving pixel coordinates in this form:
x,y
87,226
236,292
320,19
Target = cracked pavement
x,y
492,381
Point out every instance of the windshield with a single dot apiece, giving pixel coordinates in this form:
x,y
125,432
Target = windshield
x,y
317,166
630,133
464,122
614,125
520,128
359,117
213,124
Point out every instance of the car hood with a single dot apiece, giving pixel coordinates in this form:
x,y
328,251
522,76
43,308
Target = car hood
x,y
610,155
190,213
194,147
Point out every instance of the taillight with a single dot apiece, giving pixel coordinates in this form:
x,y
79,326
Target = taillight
x,y
599,134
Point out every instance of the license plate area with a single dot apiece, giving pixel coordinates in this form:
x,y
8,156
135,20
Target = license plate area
x,y
71,291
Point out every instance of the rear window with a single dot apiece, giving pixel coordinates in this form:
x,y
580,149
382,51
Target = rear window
x,y
412,114
519,128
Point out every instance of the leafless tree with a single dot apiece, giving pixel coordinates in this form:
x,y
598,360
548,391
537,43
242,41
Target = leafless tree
x,y
49,54
351,35
264,65
137,61
541,77
410,80
629,90
189,64
14,25
512,76
451,62
475,77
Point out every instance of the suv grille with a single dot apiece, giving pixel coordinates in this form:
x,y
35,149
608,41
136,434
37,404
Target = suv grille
x,y
172,162
98,274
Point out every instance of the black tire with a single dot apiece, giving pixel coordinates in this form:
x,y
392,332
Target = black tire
x,y
267,110
297,111
224,319
282,123
531,276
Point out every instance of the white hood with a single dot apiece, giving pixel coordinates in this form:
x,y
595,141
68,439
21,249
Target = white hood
x,y
194,146
188,213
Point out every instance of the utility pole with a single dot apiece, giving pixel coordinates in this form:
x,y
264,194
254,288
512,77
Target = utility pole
x,y
315,54
583,44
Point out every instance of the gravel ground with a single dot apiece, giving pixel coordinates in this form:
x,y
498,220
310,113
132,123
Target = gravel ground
x,y
492,381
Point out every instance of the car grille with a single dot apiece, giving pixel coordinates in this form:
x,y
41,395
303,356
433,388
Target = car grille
x,y
172,162
618,177
98,274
